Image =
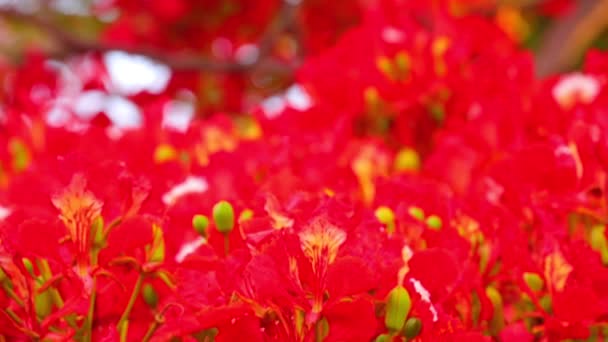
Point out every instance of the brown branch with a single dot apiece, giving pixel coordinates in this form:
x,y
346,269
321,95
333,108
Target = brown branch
x,y
567,39
73,44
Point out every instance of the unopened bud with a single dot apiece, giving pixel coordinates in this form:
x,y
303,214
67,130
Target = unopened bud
x,y
383,338
386,216
534,281
200,224
412,327
398,305
416,213
434,222
150,296
223,216
407,159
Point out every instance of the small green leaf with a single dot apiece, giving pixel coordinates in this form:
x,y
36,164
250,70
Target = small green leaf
x,y
150,296
200,224
412,327
434,222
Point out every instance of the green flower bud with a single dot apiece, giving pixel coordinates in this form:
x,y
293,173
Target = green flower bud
x,y
416,212
223,216
434,222
407,159
534,281
412,327
398,305
150,296
386,216
200,224
383,338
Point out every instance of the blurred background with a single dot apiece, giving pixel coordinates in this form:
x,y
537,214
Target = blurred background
x,y
205,56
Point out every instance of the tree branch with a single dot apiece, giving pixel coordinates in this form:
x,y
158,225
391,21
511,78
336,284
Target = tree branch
x,y
73,44
566,40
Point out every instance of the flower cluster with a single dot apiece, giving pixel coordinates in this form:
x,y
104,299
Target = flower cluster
x,y
416,183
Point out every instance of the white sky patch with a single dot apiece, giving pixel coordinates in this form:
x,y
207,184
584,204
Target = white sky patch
x,y
131,74
191,185
574,88
24,6
71,7
297,98
58,116
122,112
273,106
178,114
90,103
294,97
189,248
425,296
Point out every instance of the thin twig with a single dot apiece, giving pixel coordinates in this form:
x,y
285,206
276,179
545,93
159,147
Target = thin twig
x,y
73,44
